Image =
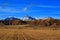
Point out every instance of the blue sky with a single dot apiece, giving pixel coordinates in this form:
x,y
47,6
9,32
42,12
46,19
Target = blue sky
x,y
34,8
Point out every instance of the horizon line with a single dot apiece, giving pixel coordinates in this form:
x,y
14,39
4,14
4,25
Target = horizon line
x,y
32,17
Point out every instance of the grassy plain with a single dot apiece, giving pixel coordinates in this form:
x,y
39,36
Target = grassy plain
x,y
29,33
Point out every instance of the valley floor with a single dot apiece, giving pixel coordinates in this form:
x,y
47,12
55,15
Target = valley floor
x,y
19,34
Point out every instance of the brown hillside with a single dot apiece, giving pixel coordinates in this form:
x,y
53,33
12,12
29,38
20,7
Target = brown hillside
x,y
41,22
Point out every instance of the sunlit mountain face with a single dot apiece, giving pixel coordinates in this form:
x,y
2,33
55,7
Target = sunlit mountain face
x,y
34,8
28,18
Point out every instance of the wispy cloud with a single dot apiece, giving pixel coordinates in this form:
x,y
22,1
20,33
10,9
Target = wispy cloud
x,y
47,6
11,10
24,9
44,6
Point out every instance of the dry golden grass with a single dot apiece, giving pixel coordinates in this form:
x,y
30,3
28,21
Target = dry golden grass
x,y
17,34
29,34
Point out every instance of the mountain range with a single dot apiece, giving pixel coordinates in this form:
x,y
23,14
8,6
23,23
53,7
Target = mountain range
x,y
25,18
49,21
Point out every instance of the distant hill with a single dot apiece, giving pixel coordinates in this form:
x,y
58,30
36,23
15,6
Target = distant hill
x,y
49,21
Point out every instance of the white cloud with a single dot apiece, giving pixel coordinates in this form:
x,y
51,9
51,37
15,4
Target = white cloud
x,y
44,6
25,9
47,6
11,10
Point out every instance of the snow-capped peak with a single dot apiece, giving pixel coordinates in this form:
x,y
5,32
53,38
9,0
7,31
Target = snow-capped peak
x,y
28,18
11,18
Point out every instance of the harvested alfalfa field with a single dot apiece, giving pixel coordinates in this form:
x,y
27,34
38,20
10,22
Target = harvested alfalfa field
x,y
19,34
